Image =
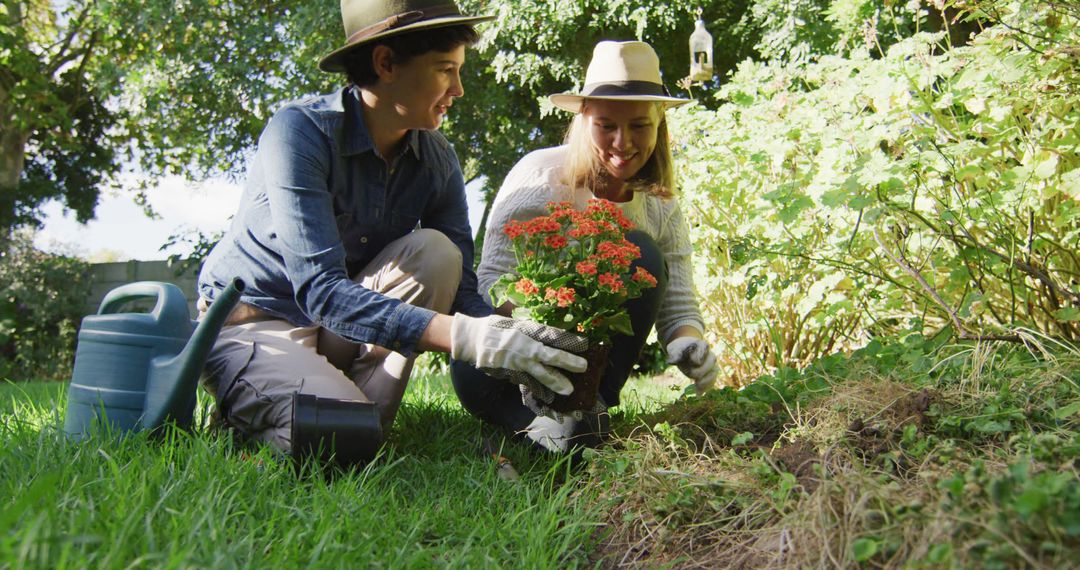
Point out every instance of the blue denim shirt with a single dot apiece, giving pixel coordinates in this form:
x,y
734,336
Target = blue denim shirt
x,y
320,203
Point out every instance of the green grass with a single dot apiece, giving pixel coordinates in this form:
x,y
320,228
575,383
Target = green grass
x,y
910,453
196,500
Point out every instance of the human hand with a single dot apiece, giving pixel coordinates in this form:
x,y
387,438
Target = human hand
x,y
694,358
503,347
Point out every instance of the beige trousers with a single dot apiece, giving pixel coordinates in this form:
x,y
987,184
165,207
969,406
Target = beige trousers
x,y
258,363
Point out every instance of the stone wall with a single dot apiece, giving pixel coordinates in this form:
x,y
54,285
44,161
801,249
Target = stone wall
x,y
109,276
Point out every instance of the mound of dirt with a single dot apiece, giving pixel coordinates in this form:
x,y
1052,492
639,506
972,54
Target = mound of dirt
x,y
799,458
876,435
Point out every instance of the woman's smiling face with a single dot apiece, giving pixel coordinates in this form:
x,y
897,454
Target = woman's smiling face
x,y
623,133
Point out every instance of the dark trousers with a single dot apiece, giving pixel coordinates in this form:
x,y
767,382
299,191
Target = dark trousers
x,y
498,402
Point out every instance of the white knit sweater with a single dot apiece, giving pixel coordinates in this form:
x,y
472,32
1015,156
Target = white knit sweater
x,y
537,179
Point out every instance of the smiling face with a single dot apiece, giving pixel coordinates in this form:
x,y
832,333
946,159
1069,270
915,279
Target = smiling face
x,y
623,134
424,88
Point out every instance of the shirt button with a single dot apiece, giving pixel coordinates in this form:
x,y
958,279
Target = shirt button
x,y
363,239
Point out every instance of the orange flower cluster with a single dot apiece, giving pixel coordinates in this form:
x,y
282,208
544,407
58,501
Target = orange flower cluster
x,y
574,269
562,296
526,287
643,276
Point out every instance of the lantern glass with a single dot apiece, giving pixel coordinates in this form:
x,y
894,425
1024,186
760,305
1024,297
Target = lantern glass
x,y
701,44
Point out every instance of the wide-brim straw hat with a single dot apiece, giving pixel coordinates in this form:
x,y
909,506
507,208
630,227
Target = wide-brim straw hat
x,y
369,20
620,71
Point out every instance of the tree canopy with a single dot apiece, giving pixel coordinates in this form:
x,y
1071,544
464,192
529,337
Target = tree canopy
x,y
90,88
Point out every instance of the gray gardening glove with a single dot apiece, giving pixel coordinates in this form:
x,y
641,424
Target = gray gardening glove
x,y
518,350
695,360
538,399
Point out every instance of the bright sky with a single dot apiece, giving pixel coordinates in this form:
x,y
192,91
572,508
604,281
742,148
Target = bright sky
x,y
120,230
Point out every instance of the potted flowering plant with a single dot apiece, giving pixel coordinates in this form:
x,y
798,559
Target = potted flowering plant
x,y
574,272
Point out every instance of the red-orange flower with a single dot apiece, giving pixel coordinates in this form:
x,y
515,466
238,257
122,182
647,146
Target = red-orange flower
x,y
573,268
563,296
513,229
643,276
526,287
611,281
556,242
586,268
562,211
585,228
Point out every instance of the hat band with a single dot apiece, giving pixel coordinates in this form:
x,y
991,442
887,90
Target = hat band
x,y
624,89
398,20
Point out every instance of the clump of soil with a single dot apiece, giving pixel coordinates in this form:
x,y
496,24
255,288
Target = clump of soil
x,y
873,436
801,459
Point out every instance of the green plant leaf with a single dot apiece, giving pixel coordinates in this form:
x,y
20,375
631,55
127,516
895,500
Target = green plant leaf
x,y
621,324
515,297
860,202
742,438
1067,314
1065,412
1046,166
791,212
864,549
1030,501
939,553
498,293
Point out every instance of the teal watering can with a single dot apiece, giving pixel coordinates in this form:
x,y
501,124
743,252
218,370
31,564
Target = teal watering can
x,y
137,370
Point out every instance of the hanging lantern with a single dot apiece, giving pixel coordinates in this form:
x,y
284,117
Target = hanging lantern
x,y
701,68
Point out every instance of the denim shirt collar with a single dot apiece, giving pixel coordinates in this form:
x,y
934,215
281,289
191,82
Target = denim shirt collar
x,y
357,139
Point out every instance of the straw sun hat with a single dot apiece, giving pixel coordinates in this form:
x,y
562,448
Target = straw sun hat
x,y
620,71
369,20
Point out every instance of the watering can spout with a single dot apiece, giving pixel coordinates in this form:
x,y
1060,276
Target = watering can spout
x,y
173,380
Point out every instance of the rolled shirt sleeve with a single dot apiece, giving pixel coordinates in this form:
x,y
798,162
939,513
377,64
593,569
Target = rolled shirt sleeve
x,y
295,164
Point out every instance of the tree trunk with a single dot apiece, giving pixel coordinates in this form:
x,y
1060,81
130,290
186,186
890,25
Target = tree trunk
x,y
12,161
482,230
12,155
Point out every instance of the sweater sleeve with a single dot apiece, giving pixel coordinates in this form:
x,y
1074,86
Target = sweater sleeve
x,y
680,306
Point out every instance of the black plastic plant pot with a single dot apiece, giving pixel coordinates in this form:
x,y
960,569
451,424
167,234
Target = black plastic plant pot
x,y
345,432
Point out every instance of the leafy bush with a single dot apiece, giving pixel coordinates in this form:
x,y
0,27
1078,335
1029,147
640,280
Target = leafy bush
x,y
932,187
40,307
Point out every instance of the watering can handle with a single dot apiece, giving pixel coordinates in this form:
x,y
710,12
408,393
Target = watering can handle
x,y
118,296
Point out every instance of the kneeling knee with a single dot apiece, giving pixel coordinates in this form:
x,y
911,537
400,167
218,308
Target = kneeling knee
x,y
440,258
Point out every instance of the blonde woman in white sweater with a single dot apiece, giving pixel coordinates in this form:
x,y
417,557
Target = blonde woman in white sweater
x,y
617,149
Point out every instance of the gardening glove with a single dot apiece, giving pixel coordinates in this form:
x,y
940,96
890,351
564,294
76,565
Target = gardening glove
x,y
695,360
511,348
538,399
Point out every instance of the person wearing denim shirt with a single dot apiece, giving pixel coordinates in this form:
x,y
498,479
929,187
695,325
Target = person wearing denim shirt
x,y
353,242
370,205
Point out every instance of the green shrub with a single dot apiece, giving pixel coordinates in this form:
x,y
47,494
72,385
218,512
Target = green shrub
x,y
926,187
40,306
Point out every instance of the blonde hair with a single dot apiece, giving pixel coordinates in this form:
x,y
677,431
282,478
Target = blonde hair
x,y
584,168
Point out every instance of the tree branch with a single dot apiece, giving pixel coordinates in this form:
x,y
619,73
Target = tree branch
x,y
74,29
87,52
1031,269
953,316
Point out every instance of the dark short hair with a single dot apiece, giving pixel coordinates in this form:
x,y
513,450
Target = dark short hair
x,y
358,66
